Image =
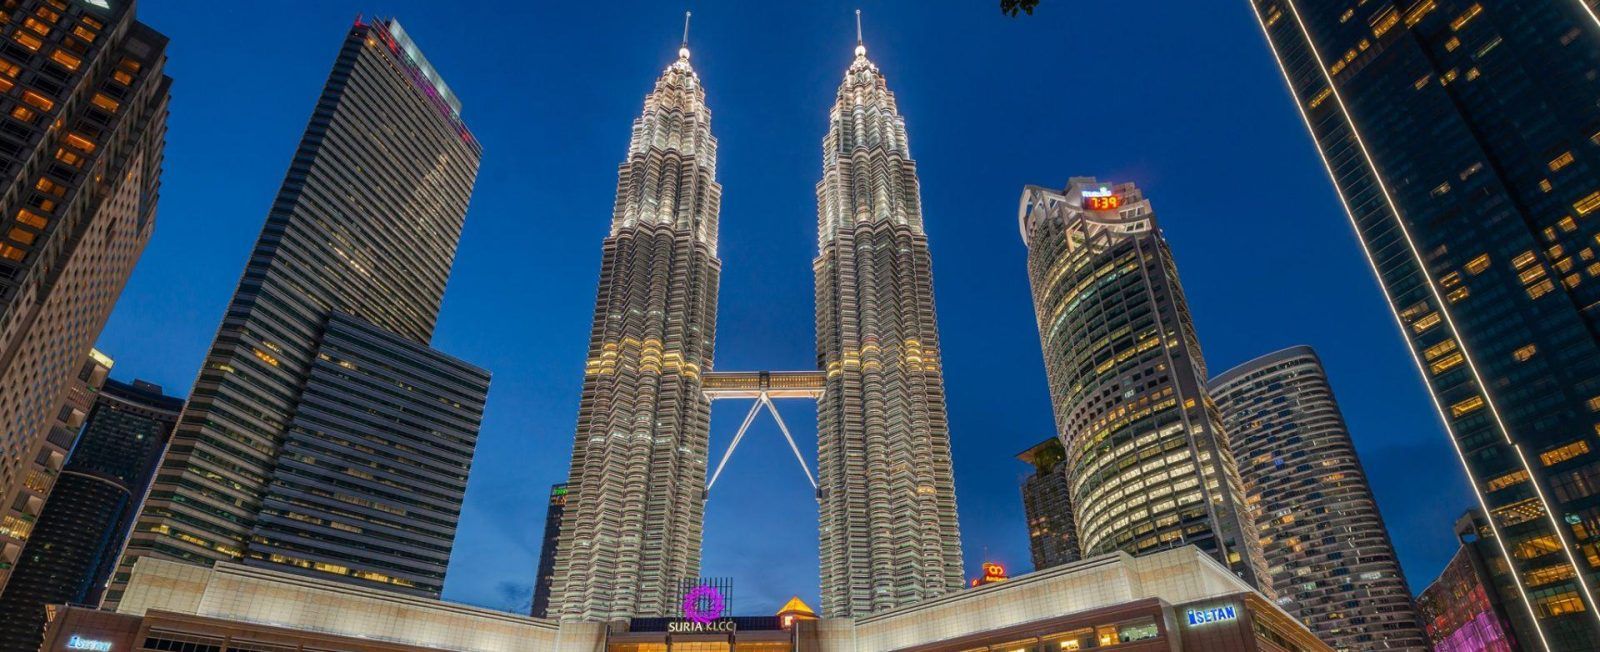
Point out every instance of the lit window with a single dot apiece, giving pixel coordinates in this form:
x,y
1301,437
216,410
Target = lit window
x,y
1522,260
1427,322
1542,288
68,61
1561,161
43,103
46,185
22,113
1588,204
1561,454
1511,479
29,218
21,236
27,40
37,26
1524,353
84,33
1477,265
122,78
1447,363
106,103
1466,407
1466,17
80,143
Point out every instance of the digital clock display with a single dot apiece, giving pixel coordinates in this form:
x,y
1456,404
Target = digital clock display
x,y
1101,202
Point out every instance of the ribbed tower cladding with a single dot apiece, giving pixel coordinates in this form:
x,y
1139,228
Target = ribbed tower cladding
x,y
1332,564
889,535
636,497
1147,460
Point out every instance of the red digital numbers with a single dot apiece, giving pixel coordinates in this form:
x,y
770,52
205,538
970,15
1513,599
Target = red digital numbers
x,y
1106,203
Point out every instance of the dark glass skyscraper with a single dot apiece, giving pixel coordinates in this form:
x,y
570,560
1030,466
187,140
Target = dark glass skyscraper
x,y
78,537
1464,139
1328,553
547,551
1047,503
83,122
323,437
1146,459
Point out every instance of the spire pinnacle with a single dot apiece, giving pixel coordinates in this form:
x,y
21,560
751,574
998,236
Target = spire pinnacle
x,y
861,47
683,50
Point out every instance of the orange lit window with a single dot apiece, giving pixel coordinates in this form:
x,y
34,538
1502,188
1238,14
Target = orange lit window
x,y
41,102
91,22
1588,204
106,103
46,185
11,253
5,85
1524,353
68,61
1542,288
27,40
1477,265
129,65
1466,407
122,78
29,218
9,69
1561,161
1447,363
84,33
1426,322
46,14
1511,479
1466,17
68,156
80,143
34,24
22,113
1563,453
21,236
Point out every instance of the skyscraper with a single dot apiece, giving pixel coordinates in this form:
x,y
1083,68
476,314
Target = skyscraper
x,y
546,575
21,516
323,437
1047,504
76,542
1463,137
889,535
1147,460
636,501
1473,606
80,167
1329,555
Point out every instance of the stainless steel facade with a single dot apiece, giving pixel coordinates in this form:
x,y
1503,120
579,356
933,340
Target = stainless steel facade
x,y
82,129
1463,137
1147,460
636,492
889,535
1328,554
366,225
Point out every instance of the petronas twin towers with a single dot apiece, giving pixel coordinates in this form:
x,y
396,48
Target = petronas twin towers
x,y
632,527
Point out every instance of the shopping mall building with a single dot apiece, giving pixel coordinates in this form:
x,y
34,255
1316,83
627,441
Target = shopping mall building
x,y
1178,600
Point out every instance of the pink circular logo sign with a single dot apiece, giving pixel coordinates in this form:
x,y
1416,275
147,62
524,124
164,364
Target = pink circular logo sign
x,y
703,604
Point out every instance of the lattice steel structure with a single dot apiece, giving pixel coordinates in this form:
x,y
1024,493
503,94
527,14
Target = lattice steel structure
x,y
636,501
1328,552
889,535
1147,460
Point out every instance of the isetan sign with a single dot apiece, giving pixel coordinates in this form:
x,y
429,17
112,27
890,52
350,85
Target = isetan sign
x,y
726,625
80,643
1215,615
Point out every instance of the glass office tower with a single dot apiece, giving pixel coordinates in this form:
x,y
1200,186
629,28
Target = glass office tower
x,y
83,122
1047,504
81,532
546,574
323,436
1328,553
1463,137
1147,462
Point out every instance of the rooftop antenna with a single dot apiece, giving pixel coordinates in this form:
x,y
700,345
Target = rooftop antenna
x,y
683,50
861,47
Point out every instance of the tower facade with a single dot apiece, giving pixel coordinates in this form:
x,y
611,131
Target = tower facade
x,y
1147,460
635,505
545,577
76,542
889,535
85,106
1047,504
1332,564
1463,137
319,402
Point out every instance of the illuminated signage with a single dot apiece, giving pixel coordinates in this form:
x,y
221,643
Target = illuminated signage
x,y
726,625
80,643
992,573
1101,203
1214,615
703,604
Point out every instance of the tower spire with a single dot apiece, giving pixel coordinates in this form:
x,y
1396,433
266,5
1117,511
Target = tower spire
x,y
861,46
683,49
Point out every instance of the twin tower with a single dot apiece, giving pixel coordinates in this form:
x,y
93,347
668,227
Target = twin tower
x,y
631,532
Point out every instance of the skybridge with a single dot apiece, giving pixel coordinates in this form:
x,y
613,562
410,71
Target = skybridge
x,y
763,386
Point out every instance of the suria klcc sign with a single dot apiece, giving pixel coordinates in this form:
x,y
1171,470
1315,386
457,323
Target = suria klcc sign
x,y
702,611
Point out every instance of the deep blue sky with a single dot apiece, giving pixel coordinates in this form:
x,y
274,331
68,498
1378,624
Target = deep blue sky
x,y
1176,95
